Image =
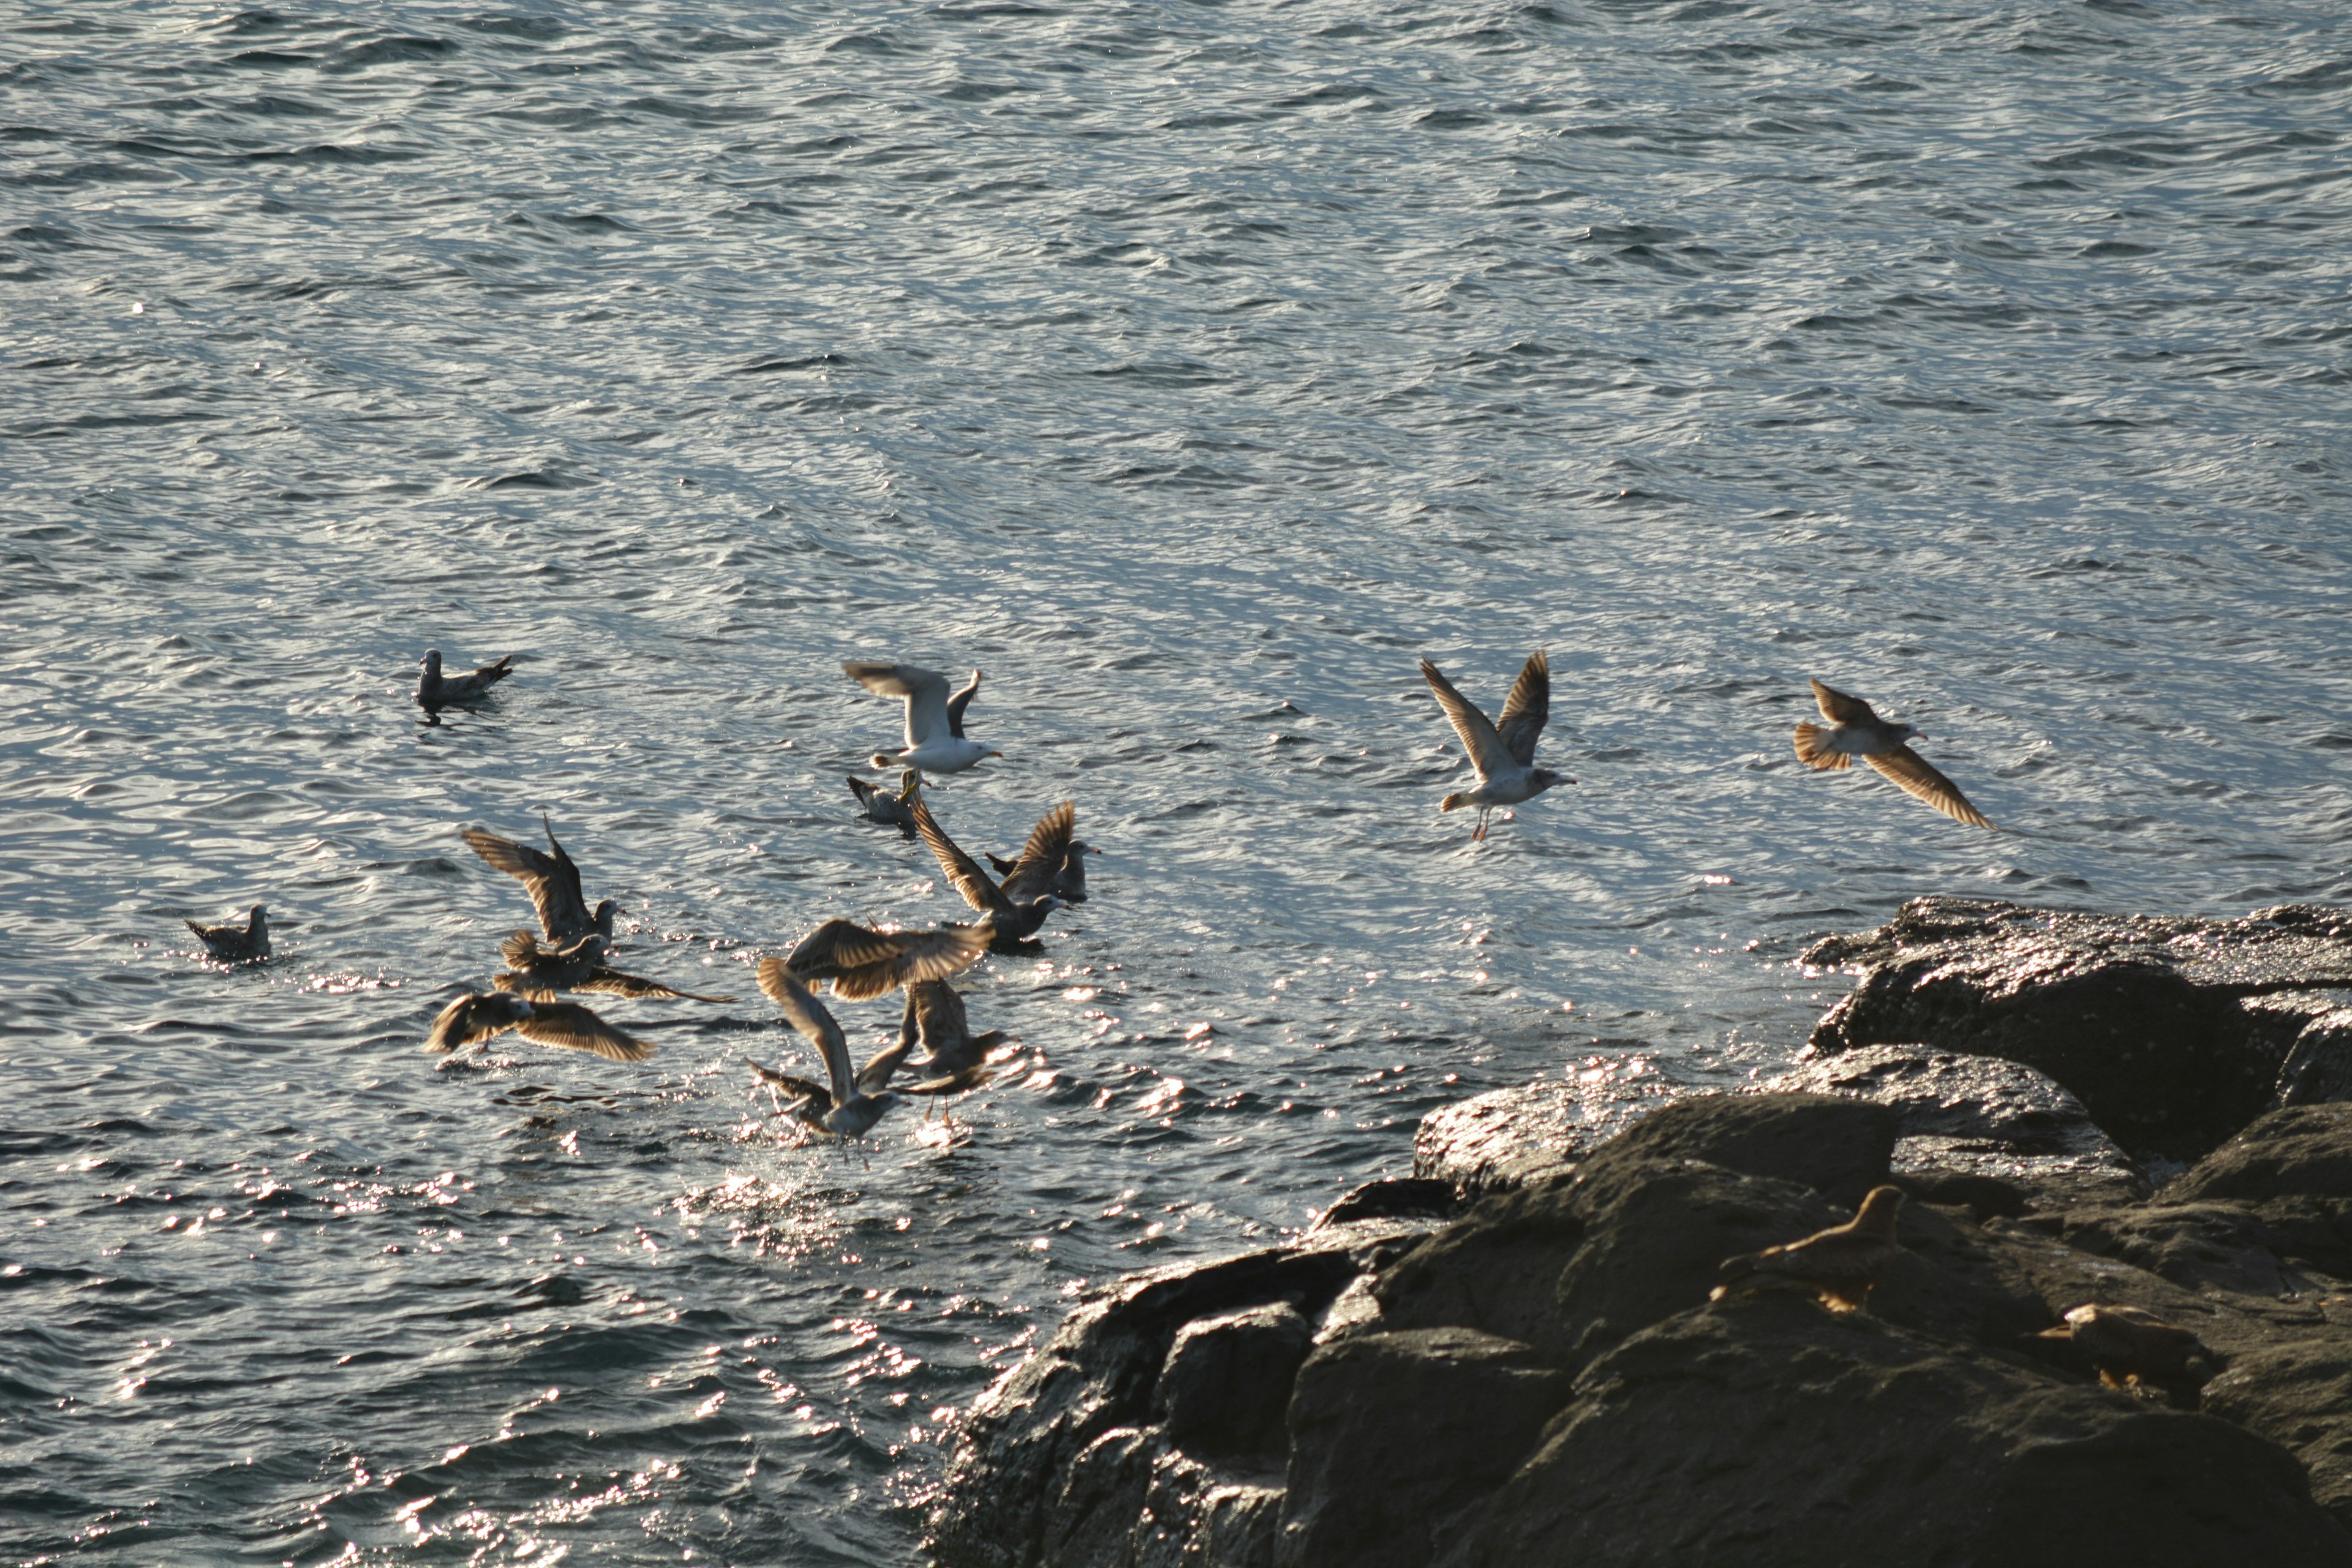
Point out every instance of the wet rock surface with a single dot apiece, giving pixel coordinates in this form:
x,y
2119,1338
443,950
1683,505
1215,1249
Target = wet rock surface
x,y
1538,1374
2173,1033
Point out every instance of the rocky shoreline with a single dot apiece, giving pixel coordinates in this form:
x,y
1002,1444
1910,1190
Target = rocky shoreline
x,y
1512,1357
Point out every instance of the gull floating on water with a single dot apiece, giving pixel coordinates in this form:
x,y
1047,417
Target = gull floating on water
x,y
539,972
1859,733
553,882
863,963
1068,882
955,1059
478,1015
1503,754
435,690
935,738
850,1103
1011,920
248,943
876,803
1841,1264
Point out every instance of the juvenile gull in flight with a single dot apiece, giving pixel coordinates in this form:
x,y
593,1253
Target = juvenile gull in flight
x,y
955,1059
539,972
1503,754
876,803
1840,1265
1012,920
248,943
553,882
435,690
1858,733
479,1015
1025,879
935,738
850,1103
864,964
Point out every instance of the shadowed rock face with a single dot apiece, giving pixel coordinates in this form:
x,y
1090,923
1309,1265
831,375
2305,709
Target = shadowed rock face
x,y
2172,1033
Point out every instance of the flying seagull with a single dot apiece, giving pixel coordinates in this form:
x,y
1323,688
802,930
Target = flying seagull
x,y
1503,754
850,1103
1840,1264
864,964
1859,733
553,882
1025,879
479,1015
876,803
2131,1346
1011,920
935,739
955,1059
539,972
435,690
248,943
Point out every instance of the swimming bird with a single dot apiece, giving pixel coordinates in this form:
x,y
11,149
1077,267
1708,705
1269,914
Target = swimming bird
x,y
1012,922
850,1103
1859,733
864,964
935,738
1840,1264
1066,882
955,1059
878,805
553,882
435,690
1503,754
2131,1346
539,972
248,943
477,1016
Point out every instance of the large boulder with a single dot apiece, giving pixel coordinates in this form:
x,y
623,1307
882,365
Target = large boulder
x,y
1507,1138
2172,1033
1770,1431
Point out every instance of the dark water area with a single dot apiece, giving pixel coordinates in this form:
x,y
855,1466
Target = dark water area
x,y
1192,370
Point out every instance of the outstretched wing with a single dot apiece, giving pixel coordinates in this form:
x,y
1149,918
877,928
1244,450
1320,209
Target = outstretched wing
x,y
957,703
1048,847
1487,754
940,1017
1912,770
573,1026
959,867
808,1015
1840,708
538,875
520,950
1526,708
613,983
925,690
800,1089
468,1019
875,1076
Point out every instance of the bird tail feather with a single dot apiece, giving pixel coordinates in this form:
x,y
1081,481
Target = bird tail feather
x,y
1453,802
1815,755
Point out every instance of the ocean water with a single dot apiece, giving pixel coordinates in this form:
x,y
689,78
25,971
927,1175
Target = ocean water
x,y
1192,369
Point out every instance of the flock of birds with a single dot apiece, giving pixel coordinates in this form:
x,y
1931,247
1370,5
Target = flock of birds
x,y
570,953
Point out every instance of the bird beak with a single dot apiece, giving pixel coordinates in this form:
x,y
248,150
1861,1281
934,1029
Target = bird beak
x,y
998,755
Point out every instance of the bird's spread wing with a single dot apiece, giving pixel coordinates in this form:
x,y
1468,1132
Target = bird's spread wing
x,y
959,867
570,1025
875,1076
957,703
1913,772
1048,846
1526,708
1477,731
463,1022
940,1017
538,874
807,1015
520,950
800,1089
925,690
1840,708
563,901
973,1076
613,983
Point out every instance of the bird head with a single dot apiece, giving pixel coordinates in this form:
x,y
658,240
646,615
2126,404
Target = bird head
x,y
256,914
431,661
1910,732
1544,778
1879,1209
606,912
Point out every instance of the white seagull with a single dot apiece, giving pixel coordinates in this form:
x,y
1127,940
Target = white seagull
x,y
935,741
1505,755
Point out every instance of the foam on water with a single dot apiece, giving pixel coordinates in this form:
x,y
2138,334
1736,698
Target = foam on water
x,y
1192,371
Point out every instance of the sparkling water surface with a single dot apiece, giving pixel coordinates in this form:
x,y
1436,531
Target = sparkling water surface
x,y
1190,369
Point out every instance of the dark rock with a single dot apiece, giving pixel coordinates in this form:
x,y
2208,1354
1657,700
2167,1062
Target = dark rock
x,y
1413,1198
1392,1432
2303,1152
2299,1395
1961,1116
1772,1432
1509,1137
2172,1033
2318,1067
1227,1379
1837,1147
2195,1245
